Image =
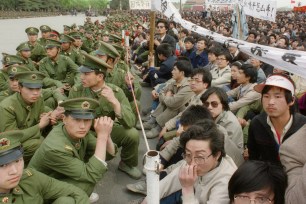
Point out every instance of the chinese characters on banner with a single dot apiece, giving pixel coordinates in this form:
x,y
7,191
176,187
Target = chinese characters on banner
x,y
293,61
220,1
265,10
140,4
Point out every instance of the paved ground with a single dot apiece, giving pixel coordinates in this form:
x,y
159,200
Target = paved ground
x,y
112,187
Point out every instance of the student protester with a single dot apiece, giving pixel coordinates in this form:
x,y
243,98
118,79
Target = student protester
x,y
244,94
293,158
258,181
199,57
279,121
19,185
189,47
222,75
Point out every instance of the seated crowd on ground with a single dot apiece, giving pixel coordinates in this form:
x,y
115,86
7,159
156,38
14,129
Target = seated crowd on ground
x,y
70,101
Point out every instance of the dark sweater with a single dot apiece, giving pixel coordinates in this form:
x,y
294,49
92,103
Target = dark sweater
x,y
261,142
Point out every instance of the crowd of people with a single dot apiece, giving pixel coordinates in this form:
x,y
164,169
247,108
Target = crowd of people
x,y
69,102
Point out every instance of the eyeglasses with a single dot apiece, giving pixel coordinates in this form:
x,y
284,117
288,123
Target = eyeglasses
x,y
197,160
160,26
195,80
213,104
240,199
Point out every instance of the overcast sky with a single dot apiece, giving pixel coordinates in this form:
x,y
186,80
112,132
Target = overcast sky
x,y
280,3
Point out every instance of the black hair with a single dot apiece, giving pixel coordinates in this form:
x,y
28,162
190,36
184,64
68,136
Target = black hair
x,y
164,49
193,114
257,175
205,130
100,72
184,31
227,55
249,71
254,33
206,75
215,50
174,23
237,63
184,66
165,22
189,39
220,93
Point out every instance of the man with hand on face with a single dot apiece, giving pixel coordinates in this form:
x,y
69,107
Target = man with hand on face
x,y
25,110
112,103
60,70
19,185
71,152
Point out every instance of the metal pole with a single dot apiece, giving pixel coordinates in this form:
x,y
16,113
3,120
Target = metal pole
x,y
152,171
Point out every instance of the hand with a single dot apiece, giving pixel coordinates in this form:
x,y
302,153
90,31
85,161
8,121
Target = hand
x,y
246,154
242,122
169,93
187,177
179,131
103,127
44,120
129,79
56,115
67,87
156,42
162,132
154,94
108,93
60,89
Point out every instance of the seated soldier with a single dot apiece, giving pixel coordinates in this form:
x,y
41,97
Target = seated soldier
x,y
112,103
71,152
19,185
25,110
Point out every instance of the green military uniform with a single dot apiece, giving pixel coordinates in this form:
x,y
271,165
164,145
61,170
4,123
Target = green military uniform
x,y
33,187
63,70
72,53
27,61
68,159
88,43
123,134
16,114
8,60
43,29
37,50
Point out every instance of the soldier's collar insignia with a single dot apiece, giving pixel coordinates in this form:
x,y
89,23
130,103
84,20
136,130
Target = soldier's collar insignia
x,y
85,105
5,200
7,59
33,77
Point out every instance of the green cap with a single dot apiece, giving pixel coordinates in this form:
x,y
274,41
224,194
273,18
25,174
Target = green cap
x,y
67,27
89,31
50,43
92,63
10,147
32,30
109,50
81,108
30,79
45,28
81,27
75,35
13,70
11,59
23,47
66,39
105,33
73,26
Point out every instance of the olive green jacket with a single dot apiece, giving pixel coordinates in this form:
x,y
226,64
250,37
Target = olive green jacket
x,y
63,70
35,187
127,118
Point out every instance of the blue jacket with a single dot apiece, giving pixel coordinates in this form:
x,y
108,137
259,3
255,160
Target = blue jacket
x,y
199,60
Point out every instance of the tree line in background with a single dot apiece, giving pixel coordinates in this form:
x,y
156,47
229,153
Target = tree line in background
x,y
61,5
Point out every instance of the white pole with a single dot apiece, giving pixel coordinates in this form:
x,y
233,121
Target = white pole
x,y
152,172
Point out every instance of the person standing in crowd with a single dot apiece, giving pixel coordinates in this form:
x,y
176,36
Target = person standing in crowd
x,y
279,121
37,50
162,27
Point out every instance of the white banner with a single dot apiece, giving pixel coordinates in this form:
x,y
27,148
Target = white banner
x,y
265,10
293,61
140,4
213,2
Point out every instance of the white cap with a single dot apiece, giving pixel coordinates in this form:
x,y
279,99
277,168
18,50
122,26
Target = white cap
x,y
278,81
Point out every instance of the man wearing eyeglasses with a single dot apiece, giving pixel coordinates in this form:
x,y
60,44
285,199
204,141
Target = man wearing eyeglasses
x,y
221,76
162,26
